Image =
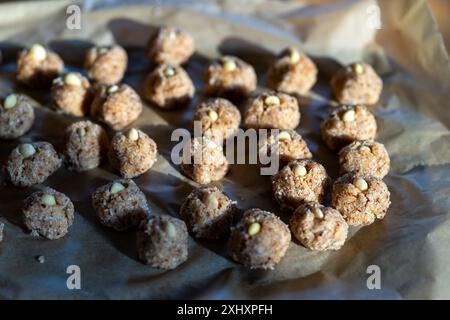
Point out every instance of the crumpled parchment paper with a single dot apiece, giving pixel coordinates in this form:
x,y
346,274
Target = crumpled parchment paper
x,y
410,246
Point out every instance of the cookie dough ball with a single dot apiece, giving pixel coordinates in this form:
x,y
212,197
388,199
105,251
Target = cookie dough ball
x,y
219,119
71,94
32,163
272,110
2,226
208,213
357,83
48,213
230,77
288,144
259,240
168,87
86,144
162,242
16,116
347,124
170,45
360,198
300,181
116,105
367,156
38,66
120,205
106,65
293,72
132,153
205,162
318,227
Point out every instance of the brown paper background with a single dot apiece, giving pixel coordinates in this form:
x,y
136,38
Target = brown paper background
x,y
410,245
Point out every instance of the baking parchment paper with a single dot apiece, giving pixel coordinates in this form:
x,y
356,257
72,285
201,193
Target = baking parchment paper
x,y
410,245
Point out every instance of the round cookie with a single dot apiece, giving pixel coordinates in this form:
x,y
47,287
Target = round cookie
x,y
120,205
168,87
208,213
288,144
357,83
300,181
32,163
229,77
205,162
292,72
116,105
347,124
162,242
71,94
360,198
367,156
48,213
318,227
170,45
16,116
259,240
106,65
38,66
219,119
132,153
86,144
272,110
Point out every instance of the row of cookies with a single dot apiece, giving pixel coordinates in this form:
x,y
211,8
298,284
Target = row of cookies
x,y
292,71
131,153
162,241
